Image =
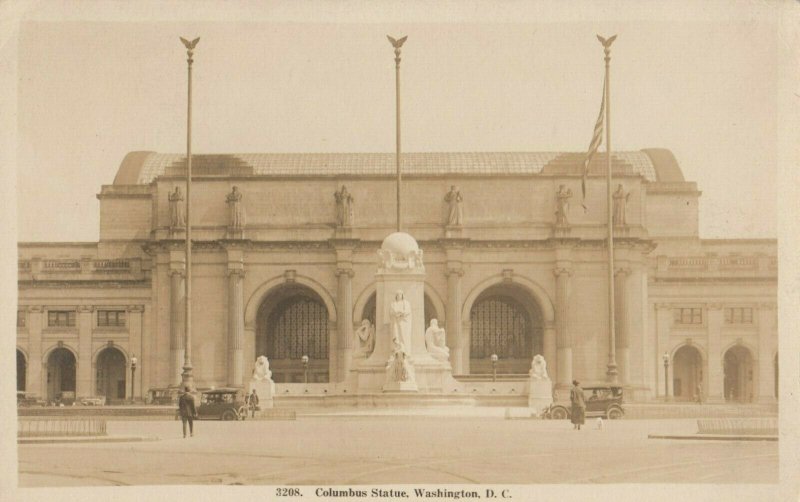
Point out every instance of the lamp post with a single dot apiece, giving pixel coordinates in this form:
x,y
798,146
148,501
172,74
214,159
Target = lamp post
x,y
665,358
187,376
305,369
494,367
133,374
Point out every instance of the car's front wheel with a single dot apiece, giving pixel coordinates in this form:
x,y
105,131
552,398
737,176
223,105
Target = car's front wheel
x,y
559,413
229,415
614,413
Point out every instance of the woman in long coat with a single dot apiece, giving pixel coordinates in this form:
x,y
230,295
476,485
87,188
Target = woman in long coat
x,y
578,411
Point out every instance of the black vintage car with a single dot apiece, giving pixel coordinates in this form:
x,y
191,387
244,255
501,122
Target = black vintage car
x,y
222,404
601,401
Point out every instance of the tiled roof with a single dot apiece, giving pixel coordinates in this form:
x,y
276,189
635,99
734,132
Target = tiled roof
x,y
304,164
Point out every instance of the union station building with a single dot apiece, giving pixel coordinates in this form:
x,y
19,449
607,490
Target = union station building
x,y
288,276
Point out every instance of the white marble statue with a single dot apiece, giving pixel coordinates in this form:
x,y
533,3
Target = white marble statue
x,y
400,313
435,342
539,368
234,200
453,200
620,201
344,207
176,209
365,339
261,371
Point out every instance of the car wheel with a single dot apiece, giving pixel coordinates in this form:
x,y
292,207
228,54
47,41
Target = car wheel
x,y
559,413
229,415
614,413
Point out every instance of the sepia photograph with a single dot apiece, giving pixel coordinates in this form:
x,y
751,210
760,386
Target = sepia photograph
x,y
385,251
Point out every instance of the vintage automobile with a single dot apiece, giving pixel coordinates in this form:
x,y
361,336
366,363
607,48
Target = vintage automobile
x,y
166,395
601,401
222,404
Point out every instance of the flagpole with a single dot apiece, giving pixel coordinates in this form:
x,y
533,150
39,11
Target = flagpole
x,y
397,44
611,372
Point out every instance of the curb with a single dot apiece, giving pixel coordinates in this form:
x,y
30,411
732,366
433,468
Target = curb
x,y
713,437
92,439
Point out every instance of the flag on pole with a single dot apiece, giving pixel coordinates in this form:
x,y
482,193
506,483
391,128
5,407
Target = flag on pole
x,y
597,140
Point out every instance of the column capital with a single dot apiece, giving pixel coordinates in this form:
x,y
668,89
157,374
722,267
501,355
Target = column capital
x,y
177,271
235,269
622,271
349,272
454,271
714,306
562,270
86,309
135,308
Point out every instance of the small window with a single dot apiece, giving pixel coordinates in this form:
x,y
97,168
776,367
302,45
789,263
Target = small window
x,y
61,318
739,315
20,318
111,318
688,316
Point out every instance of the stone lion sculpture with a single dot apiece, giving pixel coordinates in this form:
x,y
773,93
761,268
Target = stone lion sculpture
x,y
539,368
261,370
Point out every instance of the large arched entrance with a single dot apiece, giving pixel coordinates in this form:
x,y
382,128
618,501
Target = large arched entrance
x,y
111,372
370,311
738,367
291,323
61,375
22,368
504,320
687,374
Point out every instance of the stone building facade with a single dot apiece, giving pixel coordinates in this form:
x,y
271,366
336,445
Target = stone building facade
x,y
284,265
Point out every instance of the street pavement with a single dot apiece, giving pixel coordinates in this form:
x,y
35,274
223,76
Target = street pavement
x,y
392,449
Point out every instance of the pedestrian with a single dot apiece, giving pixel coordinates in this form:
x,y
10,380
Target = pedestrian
x,y
253,403
187,410
578,405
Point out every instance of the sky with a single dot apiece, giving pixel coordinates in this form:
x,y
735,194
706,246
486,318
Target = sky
x,y
92,88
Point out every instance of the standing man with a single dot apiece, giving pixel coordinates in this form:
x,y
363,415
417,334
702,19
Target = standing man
x,y
253,403
187,410
578,405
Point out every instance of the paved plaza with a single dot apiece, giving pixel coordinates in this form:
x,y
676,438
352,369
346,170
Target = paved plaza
x,y
374,449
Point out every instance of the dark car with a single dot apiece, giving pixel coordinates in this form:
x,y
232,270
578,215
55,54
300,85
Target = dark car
x,y
601,401
222,404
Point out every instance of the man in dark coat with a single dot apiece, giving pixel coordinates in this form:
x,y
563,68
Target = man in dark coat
x,y
578,405
187,410
253,403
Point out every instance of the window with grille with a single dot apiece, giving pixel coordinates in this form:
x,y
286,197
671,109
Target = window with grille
x,y
61,318
298,327
502,326
739,315
688,316
111,318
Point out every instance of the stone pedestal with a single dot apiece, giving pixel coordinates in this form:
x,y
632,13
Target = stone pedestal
x,y
540,395
265,389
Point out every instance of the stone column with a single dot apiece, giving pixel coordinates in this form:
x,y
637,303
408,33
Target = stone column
x,y
454,323
621,323
344,307
549,349
716,373
83,378
563,336
34,379
235,324
135,344
767,346
176,323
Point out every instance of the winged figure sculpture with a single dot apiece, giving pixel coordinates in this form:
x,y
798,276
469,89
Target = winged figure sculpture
x,y
190,45
397,43
606,41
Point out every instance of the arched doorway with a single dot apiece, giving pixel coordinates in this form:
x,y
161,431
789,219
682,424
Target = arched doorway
x,y
61,375
687,374
370,311
291,323
22,368
738,367
111,372
507,321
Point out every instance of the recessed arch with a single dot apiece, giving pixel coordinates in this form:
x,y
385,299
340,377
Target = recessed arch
x,y
688,376
738,373
22,370
269,287
293,321
61,370
535,290
111,365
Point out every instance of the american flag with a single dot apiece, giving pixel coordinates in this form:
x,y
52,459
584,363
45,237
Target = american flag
x,y
597,140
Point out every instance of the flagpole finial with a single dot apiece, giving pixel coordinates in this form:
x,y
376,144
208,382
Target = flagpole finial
x,y
607,42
